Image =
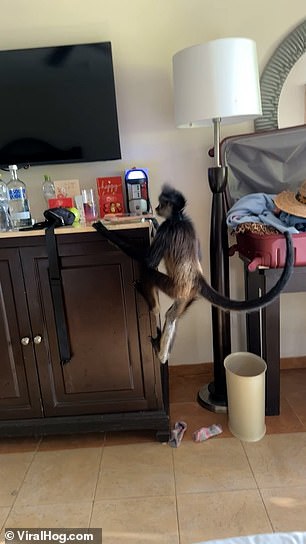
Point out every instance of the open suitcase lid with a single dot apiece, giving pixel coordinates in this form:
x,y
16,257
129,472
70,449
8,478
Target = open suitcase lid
x,y
267,162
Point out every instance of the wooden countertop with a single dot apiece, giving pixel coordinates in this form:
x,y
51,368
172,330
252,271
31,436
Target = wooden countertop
x,y
77,228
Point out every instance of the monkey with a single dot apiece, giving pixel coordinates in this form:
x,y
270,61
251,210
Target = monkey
x,y
177,244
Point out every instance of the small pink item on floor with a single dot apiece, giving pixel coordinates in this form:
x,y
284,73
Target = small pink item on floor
x,y
177,434
206,432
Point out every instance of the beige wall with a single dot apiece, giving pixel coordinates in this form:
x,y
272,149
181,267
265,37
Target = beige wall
x,y
145,34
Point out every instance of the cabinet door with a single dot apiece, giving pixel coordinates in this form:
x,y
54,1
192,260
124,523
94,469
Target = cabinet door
x,y
19,388
112,368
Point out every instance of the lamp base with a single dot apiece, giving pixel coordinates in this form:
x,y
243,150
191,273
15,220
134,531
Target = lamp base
x,y
207,400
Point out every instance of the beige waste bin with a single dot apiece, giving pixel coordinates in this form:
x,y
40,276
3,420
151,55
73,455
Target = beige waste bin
x,y
245,382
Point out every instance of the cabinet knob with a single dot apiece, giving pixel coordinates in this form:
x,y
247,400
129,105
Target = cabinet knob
x,y
37,339
25,340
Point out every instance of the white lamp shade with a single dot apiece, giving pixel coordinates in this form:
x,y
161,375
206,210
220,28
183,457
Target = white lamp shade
x,y
217,79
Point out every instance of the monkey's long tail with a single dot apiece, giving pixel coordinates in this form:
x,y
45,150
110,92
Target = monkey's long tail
x,y
225,303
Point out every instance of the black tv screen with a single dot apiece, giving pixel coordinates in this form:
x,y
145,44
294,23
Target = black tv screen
x,y
58,105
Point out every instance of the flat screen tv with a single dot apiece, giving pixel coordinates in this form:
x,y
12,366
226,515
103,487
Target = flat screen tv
x,y
58,105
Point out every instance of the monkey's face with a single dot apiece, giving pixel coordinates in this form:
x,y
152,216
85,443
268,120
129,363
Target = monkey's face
x,y
171,203
164,209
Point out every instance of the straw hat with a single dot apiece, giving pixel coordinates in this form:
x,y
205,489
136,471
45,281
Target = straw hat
x,y
293,203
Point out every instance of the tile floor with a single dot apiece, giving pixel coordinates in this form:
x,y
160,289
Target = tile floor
x,y
143,492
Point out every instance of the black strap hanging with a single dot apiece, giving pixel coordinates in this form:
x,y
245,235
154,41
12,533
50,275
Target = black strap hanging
x,y
57,295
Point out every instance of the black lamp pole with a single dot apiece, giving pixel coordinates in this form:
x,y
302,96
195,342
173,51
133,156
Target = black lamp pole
x,y
213,395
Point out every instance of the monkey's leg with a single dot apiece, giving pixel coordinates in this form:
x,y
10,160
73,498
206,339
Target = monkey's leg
x,y
150,282
161,281
149,292
167,338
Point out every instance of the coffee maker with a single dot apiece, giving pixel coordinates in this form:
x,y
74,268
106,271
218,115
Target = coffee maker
x,y
137,193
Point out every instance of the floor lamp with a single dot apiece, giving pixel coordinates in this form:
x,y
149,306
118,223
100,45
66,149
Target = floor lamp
x,y
217,82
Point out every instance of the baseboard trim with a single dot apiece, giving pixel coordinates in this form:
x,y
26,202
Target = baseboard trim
x,y
288,363
206,369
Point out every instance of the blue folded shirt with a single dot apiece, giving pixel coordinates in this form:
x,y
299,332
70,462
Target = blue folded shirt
x,y
260,208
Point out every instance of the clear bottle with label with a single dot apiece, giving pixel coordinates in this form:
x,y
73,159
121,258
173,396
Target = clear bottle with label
x,y
5,219
48,188
18,200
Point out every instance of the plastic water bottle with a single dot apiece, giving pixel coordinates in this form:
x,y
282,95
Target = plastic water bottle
x,y
18,200
5,219
48,188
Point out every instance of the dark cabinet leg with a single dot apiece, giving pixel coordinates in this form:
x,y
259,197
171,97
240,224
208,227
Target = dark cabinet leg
x,y
271,354
162,436
252,286
263,335
164,376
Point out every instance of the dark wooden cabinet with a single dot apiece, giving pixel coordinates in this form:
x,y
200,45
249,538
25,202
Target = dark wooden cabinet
x,y
113,380
19,385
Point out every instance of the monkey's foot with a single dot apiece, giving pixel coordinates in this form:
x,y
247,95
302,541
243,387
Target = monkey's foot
x,y
156,341
167,338
163,357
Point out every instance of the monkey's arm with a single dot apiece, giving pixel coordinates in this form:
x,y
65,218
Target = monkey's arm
x,y
135,253
157,249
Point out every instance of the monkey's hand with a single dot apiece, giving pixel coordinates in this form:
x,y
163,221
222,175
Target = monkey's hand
x,y
106,233
134,252
101,228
